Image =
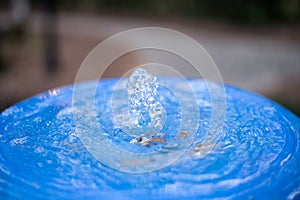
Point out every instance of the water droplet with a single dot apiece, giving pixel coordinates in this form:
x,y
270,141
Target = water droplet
x,y
143,99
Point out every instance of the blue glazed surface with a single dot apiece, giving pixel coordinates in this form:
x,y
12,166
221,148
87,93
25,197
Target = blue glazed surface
x,y
258,155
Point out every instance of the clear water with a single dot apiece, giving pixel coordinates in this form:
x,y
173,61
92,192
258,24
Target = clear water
x,y
146,111
257,156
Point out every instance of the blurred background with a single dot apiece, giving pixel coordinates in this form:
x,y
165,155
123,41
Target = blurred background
x,y
255,43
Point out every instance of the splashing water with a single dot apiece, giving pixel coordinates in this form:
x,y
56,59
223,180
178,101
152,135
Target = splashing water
x,y
143,99
42,156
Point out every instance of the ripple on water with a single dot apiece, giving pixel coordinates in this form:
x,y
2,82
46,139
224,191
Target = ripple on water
x,y
257,156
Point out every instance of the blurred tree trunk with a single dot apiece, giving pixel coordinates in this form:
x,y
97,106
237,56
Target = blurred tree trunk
x,y
50,35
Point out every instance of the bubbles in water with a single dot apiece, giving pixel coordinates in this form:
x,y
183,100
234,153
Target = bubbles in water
x,y
18,141
143,99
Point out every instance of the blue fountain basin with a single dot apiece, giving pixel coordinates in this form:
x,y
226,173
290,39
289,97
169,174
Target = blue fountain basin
x,y
257,156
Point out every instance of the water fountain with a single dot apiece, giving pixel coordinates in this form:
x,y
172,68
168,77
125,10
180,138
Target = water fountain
x,y
49,145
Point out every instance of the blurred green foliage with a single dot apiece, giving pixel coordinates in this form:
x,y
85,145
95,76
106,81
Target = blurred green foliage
x,y
252,12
